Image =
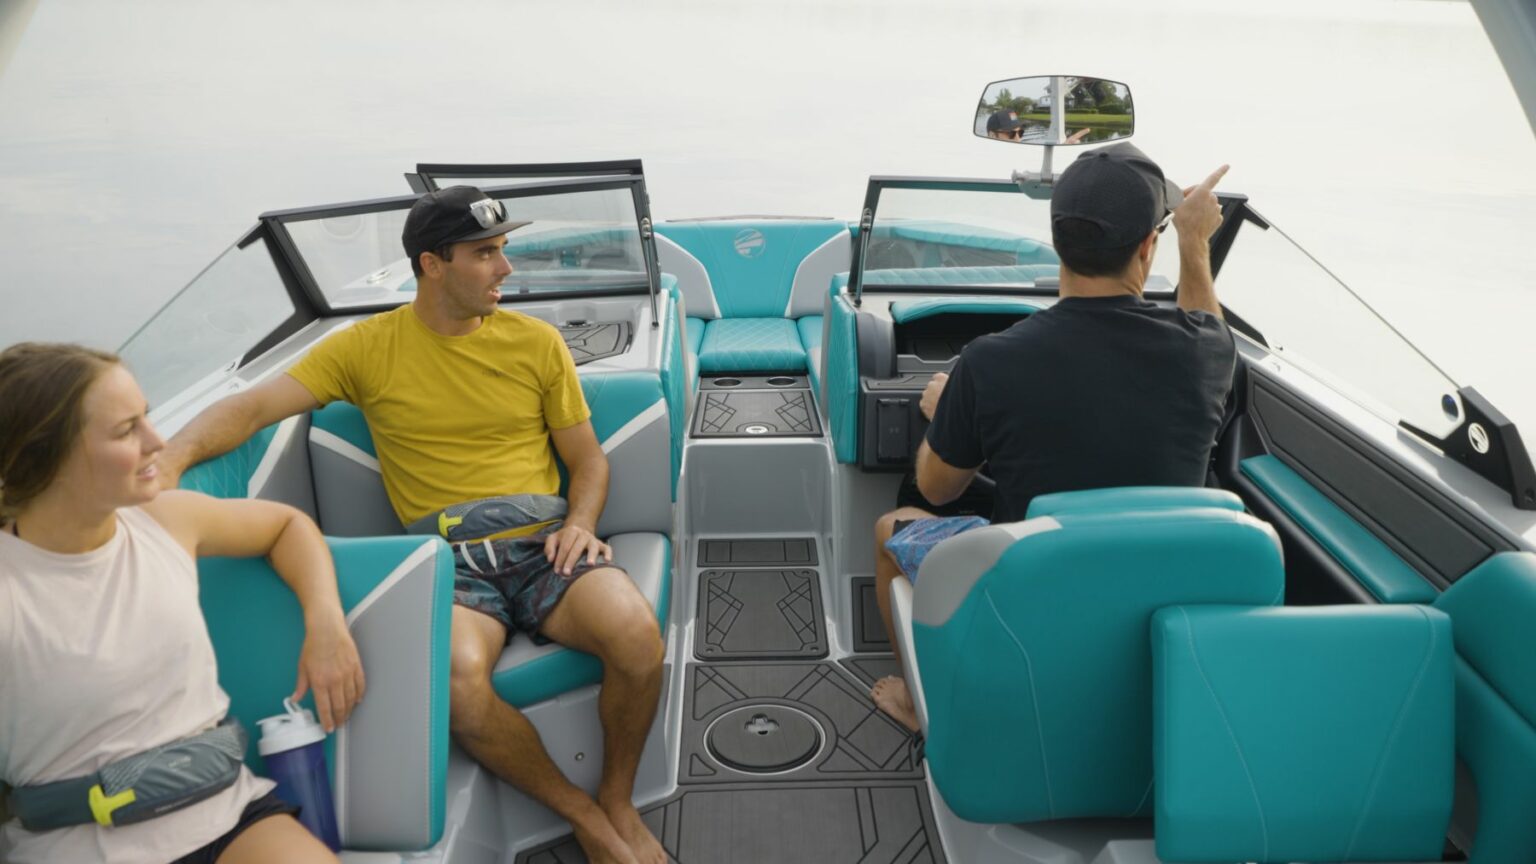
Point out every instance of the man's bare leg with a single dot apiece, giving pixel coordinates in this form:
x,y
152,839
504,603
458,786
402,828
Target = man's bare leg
x,y
604,614
499,737
890,693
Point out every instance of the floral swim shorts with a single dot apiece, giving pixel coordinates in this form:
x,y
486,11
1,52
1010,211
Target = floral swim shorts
x,y
914,539
510,580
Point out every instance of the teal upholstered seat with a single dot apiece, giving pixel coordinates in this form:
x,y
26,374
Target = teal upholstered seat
x,y
751,345
746,282
1302,734
1124,498
1492,608
389,762
1032,663
1388,577
630,416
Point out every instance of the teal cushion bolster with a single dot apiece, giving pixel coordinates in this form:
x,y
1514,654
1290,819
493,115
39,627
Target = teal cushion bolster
x,y
1370,561
751,265
695,328
810,337
674,381
842,384
1124,498
257,629
566,669
903,311
751,345
1302,734
1048,651
229,476
345,421
1492,607
1027,274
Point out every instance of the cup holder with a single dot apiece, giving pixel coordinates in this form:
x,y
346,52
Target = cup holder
x,y
781,381
727,382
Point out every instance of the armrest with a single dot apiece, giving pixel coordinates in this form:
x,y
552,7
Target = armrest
x,y
389,762
1119,500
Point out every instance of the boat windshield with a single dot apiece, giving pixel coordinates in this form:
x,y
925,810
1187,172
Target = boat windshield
x,y
210,324
959,235
574,241
1309,317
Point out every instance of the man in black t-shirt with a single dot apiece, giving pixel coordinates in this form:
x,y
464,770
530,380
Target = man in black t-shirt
x,y
1102,389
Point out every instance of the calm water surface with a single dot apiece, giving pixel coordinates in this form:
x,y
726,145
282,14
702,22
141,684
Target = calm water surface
x,y
139,139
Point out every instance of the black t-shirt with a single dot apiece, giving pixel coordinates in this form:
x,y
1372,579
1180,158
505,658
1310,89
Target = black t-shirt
x,y
1089,393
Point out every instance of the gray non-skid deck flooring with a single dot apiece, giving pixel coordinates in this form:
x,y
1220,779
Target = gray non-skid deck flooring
x,y
859,799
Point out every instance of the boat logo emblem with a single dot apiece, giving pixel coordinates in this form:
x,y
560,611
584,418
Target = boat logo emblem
x,y
1478,436
749,243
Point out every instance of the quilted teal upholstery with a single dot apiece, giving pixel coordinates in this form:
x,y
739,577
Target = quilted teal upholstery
x,y
751,345
695,328
810,337
1004,275
842,383
1389,578
1302,734
903,311
1492,608
751,264
1032,650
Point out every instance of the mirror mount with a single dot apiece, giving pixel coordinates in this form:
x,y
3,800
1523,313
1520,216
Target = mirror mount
x,y
1038,185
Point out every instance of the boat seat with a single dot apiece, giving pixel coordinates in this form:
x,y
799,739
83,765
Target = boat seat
x,y
748,283
629,415
389,762
1035,633
1302,734
1491,610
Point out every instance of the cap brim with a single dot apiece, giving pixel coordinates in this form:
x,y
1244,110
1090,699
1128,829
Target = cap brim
x,y
506,227
1174,194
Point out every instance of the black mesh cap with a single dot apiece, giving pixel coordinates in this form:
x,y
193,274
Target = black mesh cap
x,y
453,215
1118,189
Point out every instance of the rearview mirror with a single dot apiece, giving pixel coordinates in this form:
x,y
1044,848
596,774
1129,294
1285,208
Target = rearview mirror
x,y
1055,110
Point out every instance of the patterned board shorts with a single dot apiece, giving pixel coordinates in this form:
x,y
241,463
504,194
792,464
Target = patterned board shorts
x,y
510,580
914,539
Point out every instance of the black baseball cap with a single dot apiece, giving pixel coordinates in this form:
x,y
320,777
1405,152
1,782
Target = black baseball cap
x,y
1003,121
1118,189
453,215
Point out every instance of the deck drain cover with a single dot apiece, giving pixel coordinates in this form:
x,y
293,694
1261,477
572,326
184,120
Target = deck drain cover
x,y
764,738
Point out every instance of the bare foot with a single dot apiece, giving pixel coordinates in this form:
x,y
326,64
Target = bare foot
x,y
602,842
891,696
626,820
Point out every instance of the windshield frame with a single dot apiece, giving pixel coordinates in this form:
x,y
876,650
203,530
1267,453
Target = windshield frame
x,y
281,239
428,176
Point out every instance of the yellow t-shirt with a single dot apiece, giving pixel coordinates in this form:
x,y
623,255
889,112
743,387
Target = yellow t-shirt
x,y
454,418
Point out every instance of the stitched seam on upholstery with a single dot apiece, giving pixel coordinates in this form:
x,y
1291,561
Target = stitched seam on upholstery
x,y
1397,727
1144,796
1221,711
1034,701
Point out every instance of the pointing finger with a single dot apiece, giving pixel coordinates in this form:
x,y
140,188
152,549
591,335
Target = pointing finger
x,y
1210,182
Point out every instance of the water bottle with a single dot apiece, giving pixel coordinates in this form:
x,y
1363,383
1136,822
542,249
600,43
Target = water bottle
x,y
293,745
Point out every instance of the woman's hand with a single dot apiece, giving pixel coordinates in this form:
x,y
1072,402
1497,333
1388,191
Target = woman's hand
x,y
329,663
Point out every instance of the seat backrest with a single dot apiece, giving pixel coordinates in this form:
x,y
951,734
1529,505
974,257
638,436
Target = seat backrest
x,y
389,762
749,268
1032,642
1306,733
1491,611
630,415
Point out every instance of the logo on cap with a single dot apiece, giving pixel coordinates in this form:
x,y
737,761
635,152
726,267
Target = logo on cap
x,y
750,242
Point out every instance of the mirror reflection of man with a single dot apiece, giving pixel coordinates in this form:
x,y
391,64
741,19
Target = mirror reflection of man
x,y
1005,125
1127,392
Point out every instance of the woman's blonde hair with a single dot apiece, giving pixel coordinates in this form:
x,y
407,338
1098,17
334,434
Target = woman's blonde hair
x,y
42,388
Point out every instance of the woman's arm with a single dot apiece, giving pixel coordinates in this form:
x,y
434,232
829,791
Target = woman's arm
x,y
246,528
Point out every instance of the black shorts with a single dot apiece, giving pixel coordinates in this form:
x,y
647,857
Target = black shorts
x,y
267,805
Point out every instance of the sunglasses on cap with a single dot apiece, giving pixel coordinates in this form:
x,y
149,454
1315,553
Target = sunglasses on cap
x,y
488,212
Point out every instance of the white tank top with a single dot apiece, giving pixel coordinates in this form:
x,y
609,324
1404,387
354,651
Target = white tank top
x,y
103,655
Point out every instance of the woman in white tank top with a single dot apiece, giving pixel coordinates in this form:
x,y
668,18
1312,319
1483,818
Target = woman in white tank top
x,y
103,650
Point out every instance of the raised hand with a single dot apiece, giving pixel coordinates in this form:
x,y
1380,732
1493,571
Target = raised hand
x,y
1200,214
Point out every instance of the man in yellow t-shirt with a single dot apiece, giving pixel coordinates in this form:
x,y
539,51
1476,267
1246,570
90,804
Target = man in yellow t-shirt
x,y
464,401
